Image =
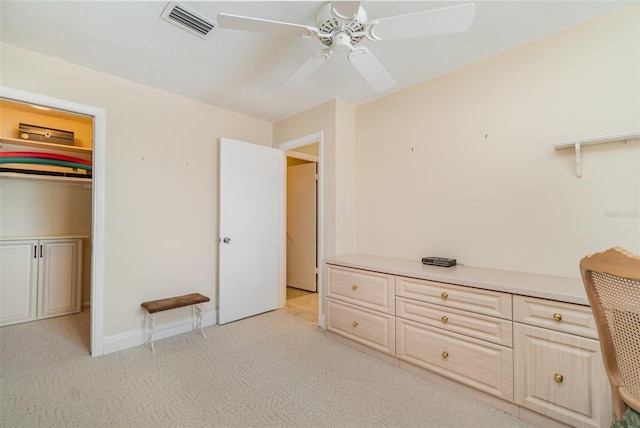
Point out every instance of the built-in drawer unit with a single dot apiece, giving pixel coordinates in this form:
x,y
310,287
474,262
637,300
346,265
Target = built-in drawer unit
x,y
561,376
459,332
370,290
371,328
483,327
485,302
537,358
559,316
477,363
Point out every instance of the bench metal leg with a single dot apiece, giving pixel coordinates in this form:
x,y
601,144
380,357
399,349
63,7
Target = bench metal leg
x,y
151,324
151,321
198,327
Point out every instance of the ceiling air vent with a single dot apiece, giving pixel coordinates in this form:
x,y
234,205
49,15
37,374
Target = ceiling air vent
x,y
188,19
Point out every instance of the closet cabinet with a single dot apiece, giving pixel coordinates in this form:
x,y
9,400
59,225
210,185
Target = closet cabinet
x,y
40,278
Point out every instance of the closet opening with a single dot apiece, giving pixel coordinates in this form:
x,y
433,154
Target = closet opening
x,y
51,227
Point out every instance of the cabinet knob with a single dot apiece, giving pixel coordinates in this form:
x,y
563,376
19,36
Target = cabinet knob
x,y
445,354
354,287
557,317
355,323
444,296
444,318
558,377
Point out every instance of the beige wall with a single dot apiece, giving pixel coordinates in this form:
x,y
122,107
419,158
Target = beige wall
x,y
463,166
345,177
161,181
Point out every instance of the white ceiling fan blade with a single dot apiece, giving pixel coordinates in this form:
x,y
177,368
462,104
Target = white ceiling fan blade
x,y
245,23
452,19
371,69
344,10
308,68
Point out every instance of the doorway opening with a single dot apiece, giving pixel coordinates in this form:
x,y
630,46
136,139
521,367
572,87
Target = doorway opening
x,y
303,284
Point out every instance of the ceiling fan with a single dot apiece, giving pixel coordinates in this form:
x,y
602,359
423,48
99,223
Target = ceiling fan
x,y
341,25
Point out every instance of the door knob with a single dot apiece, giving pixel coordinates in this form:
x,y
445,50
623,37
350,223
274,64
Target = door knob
x,y
226,240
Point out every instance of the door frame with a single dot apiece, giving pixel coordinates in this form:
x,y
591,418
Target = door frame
x,y
288,145
97,195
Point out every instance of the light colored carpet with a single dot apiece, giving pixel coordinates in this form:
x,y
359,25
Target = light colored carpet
x,y
274,369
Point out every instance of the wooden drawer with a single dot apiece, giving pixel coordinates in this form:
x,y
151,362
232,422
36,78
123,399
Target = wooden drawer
x,y
564,317
485,302
481,365
371,328
363,288
492,329
581,396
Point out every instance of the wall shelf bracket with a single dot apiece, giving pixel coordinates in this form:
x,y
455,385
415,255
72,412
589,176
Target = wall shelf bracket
x,y
577,145
578,161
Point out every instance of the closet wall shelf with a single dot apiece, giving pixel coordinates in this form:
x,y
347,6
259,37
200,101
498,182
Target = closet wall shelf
x,y
86,182
592,141
46,146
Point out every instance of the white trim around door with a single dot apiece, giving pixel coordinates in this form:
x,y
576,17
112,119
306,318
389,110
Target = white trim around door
x,y
303,141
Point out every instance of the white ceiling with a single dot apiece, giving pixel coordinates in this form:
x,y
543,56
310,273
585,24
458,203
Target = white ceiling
x,y
242,71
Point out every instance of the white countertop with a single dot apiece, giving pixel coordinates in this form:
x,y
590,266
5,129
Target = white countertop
x,y
570,290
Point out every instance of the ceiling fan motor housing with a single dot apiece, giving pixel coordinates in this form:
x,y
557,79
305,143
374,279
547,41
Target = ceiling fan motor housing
x,y
328,24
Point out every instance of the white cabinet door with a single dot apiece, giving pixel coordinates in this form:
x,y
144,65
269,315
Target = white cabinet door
x,y
18,281
561,375
59,273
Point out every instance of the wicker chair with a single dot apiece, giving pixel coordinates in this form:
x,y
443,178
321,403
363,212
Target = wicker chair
x,y
612,281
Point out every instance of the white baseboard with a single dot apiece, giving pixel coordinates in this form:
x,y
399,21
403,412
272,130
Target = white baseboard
x,y
138,337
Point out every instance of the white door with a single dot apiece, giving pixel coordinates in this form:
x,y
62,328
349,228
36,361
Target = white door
x,y
301,226
251,245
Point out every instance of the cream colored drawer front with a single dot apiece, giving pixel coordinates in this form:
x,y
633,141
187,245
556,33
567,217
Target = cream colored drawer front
x,y
371,328
492,329
363,288
486,302
581,396
565,317
482,365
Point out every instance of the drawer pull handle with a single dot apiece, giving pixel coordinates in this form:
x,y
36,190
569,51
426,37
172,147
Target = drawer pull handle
x,y
354,287
444,296
444,318
355,323
445,354
557,317
558,377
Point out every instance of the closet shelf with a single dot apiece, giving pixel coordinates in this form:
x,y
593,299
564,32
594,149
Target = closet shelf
x,y
47,146
577,144
87,182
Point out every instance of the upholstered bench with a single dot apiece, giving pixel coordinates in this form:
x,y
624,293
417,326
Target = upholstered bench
x,y
154,306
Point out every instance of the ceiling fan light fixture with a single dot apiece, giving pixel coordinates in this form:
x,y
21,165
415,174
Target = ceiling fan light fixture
x,y
327,23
